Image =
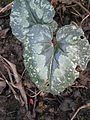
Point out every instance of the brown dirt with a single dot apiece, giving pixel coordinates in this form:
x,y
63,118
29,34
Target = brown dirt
x,y
49,107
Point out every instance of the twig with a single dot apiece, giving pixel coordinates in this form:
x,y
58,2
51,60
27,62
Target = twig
x,y
6,8
12,83
11,112
36,94
35,100
82,107
1,79
80,86
23,73
81,6
30,90
77,12
15,94
84,19
18,80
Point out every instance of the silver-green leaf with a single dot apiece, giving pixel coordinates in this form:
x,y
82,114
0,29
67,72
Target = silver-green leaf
x,y
55,64
26,13
48,62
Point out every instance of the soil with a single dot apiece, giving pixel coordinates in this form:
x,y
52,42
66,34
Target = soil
x,y
47,106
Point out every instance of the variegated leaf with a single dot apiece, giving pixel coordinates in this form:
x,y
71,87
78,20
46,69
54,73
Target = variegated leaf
x,y
32,22
26,13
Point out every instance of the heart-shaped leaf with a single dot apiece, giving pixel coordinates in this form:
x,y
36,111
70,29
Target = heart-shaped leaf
x,y
50,61
55,63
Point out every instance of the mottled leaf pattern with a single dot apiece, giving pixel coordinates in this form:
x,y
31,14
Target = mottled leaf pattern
x,y
77,45
32,22
38,54
26,13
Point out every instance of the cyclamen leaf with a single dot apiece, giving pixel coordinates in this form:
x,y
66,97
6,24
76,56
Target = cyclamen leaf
x,y
77,45
55,63
32,22
26,13
38,54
